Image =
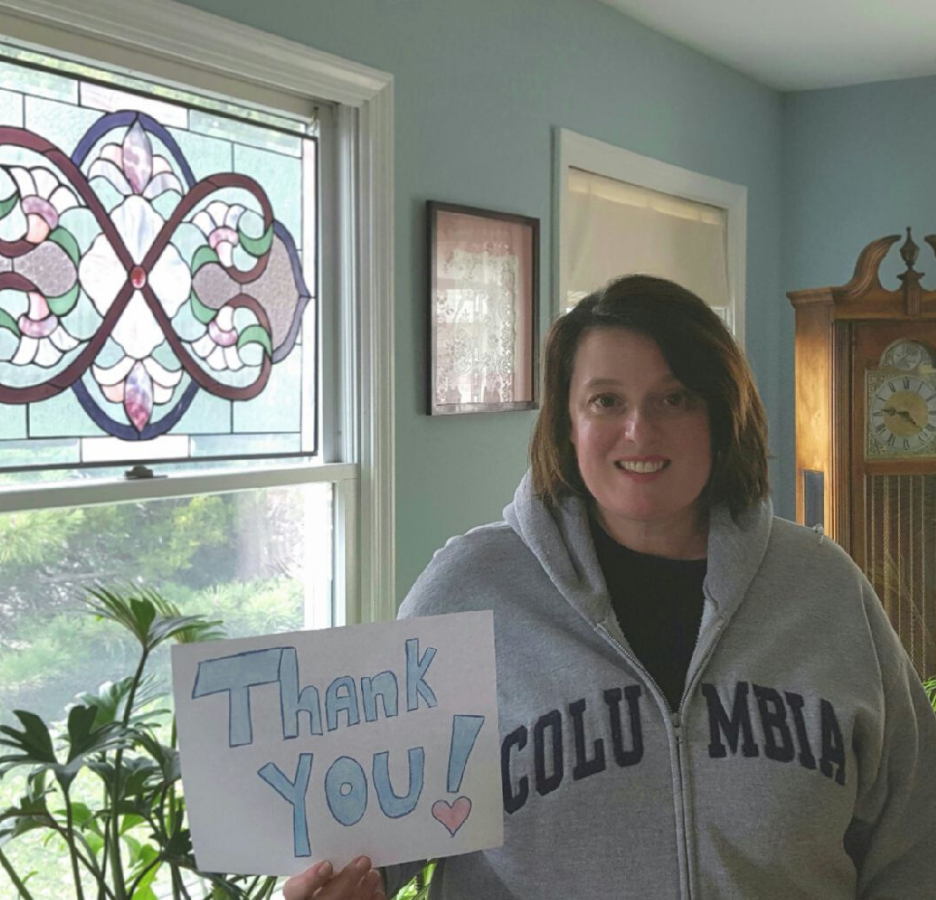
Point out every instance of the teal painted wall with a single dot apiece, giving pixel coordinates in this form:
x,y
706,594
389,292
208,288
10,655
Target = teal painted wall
x,y
859,164
478,88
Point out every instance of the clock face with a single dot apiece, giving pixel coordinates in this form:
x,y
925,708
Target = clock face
x,y
906,355
901,415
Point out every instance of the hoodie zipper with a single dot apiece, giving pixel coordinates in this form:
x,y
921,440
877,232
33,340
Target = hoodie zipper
x,y
676,722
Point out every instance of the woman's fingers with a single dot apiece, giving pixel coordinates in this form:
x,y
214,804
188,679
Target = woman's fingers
x,y
371,887
356,881
303,886
353,882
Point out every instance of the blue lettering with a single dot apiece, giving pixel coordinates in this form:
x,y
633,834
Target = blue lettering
x,y
384,686
346,702
293,702
294,793
393,805
416,668
236,675
464,734
346,790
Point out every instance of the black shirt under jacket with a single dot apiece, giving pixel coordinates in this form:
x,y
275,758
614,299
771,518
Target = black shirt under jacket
x,y
658,604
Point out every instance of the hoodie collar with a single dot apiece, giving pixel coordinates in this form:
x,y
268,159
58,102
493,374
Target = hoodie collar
x,y
561,540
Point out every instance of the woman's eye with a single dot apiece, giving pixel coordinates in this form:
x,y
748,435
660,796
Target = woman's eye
x,y
676,399
604,401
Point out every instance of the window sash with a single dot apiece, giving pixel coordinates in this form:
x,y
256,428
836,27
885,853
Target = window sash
x,y
158,38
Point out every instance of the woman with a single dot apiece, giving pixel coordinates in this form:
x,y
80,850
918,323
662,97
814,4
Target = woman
x,y
696,699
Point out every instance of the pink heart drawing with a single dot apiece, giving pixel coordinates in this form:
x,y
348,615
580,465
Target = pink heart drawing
x,y
452,815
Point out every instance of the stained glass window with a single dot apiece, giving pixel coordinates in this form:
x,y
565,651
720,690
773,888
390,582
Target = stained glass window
x,y
157,274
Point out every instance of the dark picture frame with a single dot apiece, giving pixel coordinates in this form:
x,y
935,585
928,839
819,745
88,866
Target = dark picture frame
x,y
483,310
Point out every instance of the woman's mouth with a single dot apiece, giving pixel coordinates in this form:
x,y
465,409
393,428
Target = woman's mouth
x,y
641,466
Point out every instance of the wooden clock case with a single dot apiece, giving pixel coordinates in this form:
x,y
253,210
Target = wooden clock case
x,y
877,502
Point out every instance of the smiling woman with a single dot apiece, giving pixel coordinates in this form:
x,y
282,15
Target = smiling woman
x,y
668,649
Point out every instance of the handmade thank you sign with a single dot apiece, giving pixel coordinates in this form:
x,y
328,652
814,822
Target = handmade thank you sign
x,y
377,739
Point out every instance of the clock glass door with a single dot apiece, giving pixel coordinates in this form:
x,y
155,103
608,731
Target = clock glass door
x,y
893,466
900,549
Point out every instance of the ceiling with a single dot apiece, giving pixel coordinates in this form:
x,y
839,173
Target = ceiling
x,y
801,44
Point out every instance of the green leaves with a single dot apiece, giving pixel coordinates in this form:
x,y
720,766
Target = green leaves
x,y
164,758
149,618
418,887
29,813
34,747
84,739
112,696
930,687
33,743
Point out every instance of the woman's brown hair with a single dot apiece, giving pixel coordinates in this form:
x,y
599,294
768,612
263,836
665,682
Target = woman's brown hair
x,y
700,352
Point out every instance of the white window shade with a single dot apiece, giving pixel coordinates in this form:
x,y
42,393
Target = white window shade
x,y
614,228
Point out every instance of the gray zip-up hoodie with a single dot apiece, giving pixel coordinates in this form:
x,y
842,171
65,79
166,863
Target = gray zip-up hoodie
x,y
800,764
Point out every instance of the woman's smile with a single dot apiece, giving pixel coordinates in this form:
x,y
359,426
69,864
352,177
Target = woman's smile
x,y
642,466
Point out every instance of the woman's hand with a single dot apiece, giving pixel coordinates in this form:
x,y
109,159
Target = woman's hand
x,y
356,881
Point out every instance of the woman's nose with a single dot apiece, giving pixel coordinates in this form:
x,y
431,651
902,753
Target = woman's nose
x,y
636,423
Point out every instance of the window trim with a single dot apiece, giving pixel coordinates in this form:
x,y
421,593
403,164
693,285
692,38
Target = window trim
x,y
181,35
576,151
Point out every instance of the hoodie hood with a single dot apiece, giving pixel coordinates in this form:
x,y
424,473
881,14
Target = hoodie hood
x,y
561,540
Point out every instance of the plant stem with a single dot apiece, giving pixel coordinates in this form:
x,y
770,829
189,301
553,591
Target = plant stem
x,y
87,861
120,889
142,875
176,893
17,881
181,884
173,810
70,839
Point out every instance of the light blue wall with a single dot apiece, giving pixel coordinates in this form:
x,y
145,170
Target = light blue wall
x,y
479,85
859,163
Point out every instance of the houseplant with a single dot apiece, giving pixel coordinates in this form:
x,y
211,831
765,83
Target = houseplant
x,y
122,742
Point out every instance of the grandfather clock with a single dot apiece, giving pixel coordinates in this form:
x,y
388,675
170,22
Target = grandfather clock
x,y
866,433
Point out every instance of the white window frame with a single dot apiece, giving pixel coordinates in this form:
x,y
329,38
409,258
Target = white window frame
x,y
576,151
359,461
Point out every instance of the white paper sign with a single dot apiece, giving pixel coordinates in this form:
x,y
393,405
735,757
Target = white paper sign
x,y
377,739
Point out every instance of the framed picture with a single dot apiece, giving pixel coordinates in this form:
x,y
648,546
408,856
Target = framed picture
x,y
483,310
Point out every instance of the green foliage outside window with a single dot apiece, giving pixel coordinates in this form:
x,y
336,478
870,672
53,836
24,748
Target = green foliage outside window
x,y
230,557
47,558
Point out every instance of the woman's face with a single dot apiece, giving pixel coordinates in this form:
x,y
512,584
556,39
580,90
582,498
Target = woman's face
x,y
642,442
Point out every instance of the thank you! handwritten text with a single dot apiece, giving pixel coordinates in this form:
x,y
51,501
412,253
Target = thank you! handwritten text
x,y
378,739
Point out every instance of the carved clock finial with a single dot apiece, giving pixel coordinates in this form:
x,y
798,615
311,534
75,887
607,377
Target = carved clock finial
x,y
912,292
909,251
